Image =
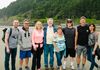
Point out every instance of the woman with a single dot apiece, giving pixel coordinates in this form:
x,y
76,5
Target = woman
x,y
59,45
37,42
92,42
70,40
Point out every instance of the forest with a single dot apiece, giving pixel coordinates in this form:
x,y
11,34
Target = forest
x,y
58,9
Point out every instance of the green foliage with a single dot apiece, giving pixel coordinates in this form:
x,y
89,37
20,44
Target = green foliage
x,y
58,9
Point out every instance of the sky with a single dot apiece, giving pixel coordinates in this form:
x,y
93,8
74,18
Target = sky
x,y
5,3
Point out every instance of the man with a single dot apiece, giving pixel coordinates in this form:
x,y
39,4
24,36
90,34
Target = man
x,y
70,40
11,42
25,44
82,42
49,31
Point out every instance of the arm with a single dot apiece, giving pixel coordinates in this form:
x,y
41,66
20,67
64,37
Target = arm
x,y
6,41
33,38
76,36
20,39
96,43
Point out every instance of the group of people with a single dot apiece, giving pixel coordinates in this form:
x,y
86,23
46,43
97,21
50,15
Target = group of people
x,y
48,39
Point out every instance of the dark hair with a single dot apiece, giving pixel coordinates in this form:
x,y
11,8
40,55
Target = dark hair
x,y
93,26
59,28
69,21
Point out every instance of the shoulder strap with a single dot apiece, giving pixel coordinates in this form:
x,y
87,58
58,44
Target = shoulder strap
x,y
10,32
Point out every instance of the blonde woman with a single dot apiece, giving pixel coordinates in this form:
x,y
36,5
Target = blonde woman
x,y
37,43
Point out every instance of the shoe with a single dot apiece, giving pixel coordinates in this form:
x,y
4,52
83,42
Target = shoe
x,y
20,68
27,68
46,67
64,66
78,68
51,67
39,69
98,68
72,67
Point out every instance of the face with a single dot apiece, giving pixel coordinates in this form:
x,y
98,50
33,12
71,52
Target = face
x,y
39,26
91,27
59,31
82,21
26,24
50,22
15,23
69,24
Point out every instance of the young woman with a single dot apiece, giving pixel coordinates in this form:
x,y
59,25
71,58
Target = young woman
x,y
37,42
92,42
59,46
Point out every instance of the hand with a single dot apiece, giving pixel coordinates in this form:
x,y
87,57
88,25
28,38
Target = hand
x,y
75,47
35,48
93,52
57,49
8,50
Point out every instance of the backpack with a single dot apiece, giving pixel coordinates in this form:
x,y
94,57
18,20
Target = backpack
x,y
4,32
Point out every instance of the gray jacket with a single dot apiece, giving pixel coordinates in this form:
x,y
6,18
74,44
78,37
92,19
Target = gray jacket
x,y
25,40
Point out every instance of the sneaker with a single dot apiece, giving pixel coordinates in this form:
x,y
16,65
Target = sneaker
x,y
98,68
72,67
64,66
39,69
27,68
78,68
46,67
51,68
20,68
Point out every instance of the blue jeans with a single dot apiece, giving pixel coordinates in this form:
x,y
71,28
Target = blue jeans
x,y
91,58
49,48
59,56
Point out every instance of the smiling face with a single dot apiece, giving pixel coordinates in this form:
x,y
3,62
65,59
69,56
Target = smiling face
x,y
82,21
92,27
59,31
26,24
15,23
50,22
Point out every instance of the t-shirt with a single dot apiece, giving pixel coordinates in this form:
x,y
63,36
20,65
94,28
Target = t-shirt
x,y
50,34
60,42
69,34
13,40
83,32
92,39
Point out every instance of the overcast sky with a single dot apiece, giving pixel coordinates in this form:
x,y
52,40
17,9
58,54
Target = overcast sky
x,y
5,3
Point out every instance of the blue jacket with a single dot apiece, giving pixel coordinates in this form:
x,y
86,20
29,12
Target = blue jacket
x,y
45,32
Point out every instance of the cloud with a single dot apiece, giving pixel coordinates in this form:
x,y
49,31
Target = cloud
x,y
5,3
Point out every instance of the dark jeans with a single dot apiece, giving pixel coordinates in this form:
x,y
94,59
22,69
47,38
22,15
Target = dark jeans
x,y
91,58
37,58
59,56
13,53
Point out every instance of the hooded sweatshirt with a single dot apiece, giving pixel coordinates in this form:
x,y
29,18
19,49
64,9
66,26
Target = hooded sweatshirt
x,y
25,39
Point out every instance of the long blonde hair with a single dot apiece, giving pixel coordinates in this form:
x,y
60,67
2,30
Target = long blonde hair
x,y
37,24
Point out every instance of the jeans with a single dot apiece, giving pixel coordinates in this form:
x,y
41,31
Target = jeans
x,y
13,53
59,56
49,48
91,58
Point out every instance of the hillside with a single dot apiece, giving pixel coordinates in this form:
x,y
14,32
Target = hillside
x,y
58,9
